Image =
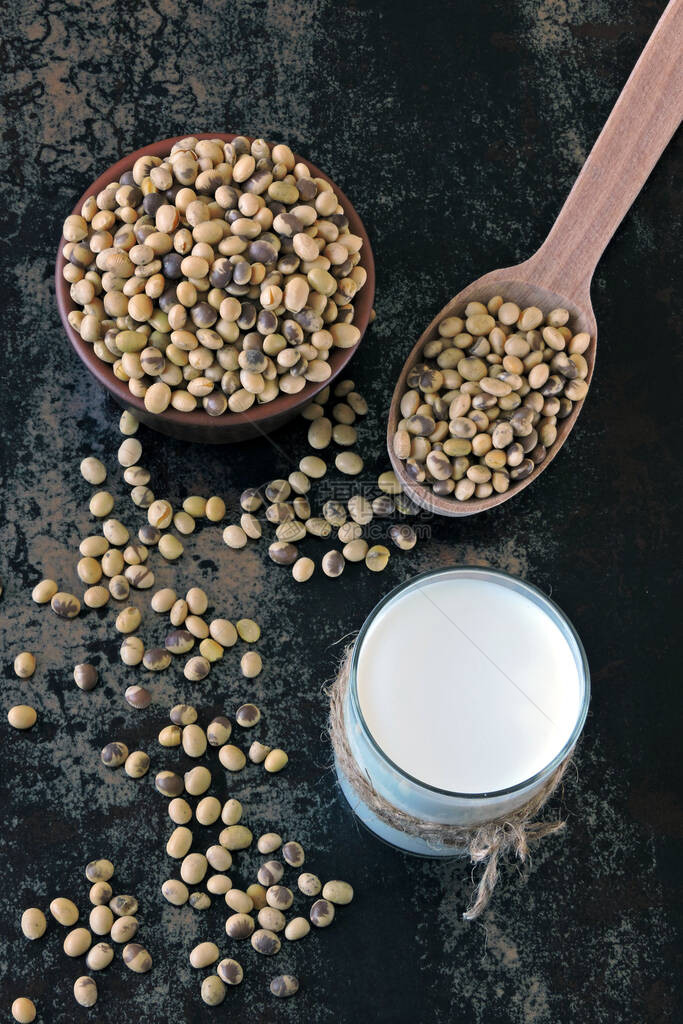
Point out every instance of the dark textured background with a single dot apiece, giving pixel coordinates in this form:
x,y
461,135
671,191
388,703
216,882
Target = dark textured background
x,y
456,129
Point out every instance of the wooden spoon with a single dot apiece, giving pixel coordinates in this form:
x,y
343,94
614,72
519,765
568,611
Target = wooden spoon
x,y
643,120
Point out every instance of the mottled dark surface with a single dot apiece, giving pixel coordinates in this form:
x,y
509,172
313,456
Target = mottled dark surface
x,y
456,129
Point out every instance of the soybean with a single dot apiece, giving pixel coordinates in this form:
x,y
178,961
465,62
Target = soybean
x,y
132,650
232,812
239,926
297,928
179,811
96,597
247,715
333,563
136,764
236,837
183,714
214,509
232,758
248,630
33,923
403,536
258,752
21,716
114,754
193,868
309,884
136,958
156,659
283,553
93,470
77,942
218,731
230,971
204,954
143,497
163,600
377,558
284,985
119,587
279,897
23,1010
269,842
85,676
338,892
312,466
124,905
322,913
124,928
170,548
64,911
293,854
270,873
265,942
219,858
100,893
178,612
303,569
208,810
234,537
258,895
128,423
239,901
85,991
44,591
24,665
99,870
271,919
197,780
355,550
101,919
129,452
128,620
175,892
194,740
275,761
169,783
99,956
349,532
219,885
251,664
223,632
196,669
349,463
65,605
101,504
213,990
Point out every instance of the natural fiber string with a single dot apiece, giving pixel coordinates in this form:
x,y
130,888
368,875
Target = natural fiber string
x,y
486,844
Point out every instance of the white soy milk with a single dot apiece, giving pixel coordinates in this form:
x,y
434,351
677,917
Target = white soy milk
x,y
467,684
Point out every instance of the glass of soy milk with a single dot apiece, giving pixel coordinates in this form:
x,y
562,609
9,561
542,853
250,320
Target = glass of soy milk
x,y
467,689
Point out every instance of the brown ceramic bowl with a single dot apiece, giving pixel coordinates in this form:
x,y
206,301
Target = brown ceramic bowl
x,y
198,425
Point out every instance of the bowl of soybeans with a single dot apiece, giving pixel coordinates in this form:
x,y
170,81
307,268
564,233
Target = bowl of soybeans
x,y
214,284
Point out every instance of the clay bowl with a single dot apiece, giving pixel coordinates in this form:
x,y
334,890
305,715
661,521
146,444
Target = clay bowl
x,y
198,425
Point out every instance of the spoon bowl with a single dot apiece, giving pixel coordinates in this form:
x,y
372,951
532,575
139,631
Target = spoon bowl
x,y
515,284
559,274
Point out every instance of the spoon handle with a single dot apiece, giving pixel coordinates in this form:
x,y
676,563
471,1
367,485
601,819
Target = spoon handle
x,y
644,118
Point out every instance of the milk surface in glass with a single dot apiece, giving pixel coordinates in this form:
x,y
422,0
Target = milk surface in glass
x,y
467,685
